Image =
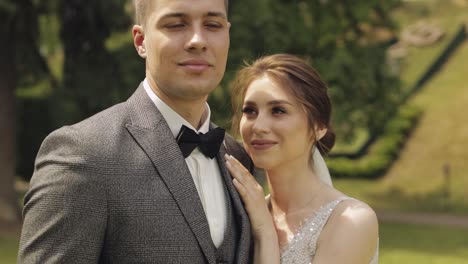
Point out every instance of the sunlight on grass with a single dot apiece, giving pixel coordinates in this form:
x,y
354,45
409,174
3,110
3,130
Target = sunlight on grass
x,y
439,142
8,250
416,244
444,14
417,180
400,195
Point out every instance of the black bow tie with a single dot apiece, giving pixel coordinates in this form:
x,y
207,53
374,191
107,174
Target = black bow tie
x,y
208,143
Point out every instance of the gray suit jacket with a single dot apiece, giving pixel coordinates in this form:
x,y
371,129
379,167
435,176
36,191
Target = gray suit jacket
x,y
115,188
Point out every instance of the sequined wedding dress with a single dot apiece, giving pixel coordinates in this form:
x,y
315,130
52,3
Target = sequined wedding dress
x,y
302,248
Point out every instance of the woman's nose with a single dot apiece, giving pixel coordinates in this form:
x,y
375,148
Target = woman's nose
x,y
261,125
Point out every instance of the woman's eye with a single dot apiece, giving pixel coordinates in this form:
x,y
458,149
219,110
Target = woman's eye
x,y
248,110
278,110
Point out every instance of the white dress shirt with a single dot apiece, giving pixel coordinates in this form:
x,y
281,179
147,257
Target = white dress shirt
x,y
205,171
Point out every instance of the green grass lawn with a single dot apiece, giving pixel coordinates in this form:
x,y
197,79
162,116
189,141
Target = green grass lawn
x,y
443,13
8,250
448,16
398,244
422,244
440,139
416,181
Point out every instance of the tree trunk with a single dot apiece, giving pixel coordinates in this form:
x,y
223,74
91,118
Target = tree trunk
x,y
9,207
91,77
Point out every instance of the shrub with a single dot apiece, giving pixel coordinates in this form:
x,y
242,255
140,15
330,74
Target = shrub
x,y
383,151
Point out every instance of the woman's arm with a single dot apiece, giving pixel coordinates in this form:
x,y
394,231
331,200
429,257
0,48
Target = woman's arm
x,y
265,238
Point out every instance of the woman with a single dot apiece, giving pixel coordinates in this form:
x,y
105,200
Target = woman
x,y
284,119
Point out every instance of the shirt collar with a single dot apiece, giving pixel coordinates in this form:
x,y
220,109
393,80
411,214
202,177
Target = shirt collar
x,y
173,119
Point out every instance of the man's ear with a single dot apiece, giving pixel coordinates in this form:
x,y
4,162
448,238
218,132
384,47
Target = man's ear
x,y
139,40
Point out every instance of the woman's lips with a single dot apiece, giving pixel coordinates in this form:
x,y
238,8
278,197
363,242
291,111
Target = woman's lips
x,y
262,144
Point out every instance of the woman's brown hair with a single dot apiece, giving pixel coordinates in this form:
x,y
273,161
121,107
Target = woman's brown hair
x,y
297,77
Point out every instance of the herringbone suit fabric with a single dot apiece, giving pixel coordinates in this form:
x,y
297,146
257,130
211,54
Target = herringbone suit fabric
x,y
115,188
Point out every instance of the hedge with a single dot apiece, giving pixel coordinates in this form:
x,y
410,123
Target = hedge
x,y
384,150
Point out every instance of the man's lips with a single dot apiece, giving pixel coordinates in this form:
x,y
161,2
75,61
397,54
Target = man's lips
x,y
262,144
195,66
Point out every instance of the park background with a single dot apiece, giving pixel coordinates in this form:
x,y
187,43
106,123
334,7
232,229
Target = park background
x,y
397,72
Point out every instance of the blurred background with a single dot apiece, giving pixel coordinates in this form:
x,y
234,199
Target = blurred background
x,y
397,72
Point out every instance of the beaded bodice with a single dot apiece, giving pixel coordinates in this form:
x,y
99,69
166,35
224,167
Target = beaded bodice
x,y
301,249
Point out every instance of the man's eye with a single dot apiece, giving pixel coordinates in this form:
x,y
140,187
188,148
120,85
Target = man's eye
x,y
175,25
214,25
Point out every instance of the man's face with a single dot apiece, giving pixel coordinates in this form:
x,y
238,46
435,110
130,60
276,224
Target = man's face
x,y
185,43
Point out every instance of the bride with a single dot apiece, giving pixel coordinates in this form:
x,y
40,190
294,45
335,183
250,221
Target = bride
x,y
283,117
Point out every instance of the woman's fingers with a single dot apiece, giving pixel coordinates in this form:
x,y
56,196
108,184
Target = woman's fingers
x,y
241,189
239,172
249,189
252,194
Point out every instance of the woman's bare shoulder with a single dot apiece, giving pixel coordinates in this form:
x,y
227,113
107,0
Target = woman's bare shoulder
x,y
351,234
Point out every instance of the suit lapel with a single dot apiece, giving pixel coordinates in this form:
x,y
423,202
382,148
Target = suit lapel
x,y
238,208
153,135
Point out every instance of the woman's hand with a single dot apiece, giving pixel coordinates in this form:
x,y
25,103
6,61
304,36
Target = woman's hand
x,y
254,200
266,246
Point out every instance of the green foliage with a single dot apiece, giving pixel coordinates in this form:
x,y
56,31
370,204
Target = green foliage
x,y
384,150
332,35
35,124
7,8
92,79
87,72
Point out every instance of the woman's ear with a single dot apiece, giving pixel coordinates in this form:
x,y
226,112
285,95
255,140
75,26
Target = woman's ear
x,y
320,132
139,40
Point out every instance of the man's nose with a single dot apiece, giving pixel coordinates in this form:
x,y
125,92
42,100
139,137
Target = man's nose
x,y
197,39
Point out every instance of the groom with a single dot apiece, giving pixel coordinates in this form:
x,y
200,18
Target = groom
x,y
137,183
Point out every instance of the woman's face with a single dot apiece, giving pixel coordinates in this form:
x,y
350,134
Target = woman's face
x,y
274,126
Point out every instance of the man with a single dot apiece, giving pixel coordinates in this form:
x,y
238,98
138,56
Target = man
x,y
116,188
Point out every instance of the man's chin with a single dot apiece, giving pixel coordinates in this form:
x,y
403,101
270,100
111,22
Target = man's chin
x,y
199,88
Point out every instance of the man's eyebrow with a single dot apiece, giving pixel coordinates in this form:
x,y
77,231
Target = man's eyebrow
x,y
216,14
175,14
208,14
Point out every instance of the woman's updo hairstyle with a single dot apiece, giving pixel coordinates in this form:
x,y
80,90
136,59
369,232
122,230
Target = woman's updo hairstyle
x,y
298,78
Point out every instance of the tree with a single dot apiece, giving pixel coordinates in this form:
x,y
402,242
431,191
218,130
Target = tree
x,y
9,211
338,39
92,79
21,64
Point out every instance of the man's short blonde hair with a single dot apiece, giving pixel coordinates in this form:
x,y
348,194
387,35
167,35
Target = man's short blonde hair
x,y
143,6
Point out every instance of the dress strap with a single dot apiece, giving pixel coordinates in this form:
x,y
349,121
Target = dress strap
x,y
324,213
